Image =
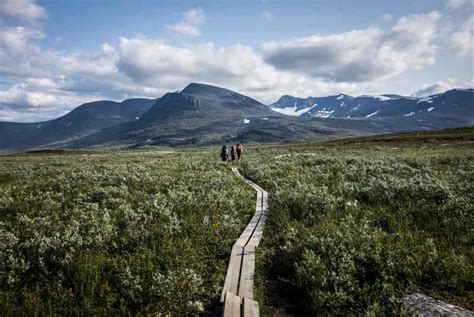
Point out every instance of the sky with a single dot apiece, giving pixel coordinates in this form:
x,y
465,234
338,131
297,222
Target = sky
x,y
56,55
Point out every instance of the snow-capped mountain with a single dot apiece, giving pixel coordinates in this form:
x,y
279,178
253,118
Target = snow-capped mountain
x,y
452,103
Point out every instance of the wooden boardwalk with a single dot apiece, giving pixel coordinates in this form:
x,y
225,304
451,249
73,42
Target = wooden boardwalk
x,y
237,294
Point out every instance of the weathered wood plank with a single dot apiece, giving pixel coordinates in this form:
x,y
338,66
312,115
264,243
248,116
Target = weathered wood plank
x,y
247,274
233,272
231,305
250,308
247,233
242,263
258,233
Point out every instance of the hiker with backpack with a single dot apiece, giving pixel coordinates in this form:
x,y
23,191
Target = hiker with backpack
x,y
239,148
224,154
233,153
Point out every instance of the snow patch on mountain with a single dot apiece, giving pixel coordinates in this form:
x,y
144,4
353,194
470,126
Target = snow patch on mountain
x,y
293,111
427,100
372,114
383,98
322,114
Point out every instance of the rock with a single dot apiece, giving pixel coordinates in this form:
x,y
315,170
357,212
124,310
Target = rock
x,y
422,305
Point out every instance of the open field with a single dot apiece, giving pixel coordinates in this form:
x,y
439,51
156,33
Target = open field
x,y
355,224
352,225
116,233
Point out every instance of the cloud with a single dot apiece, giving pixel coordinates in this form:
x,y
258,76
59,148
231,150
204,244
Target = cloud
x,y
23,9
387,17
48,83
455,4
154,63
461,42
195,16
185,28
359,55
192,20
20,55
442,86
38,101
267,15
139,66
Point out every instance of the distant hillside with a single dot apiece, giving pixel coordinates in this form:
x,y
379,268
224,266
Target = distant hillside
x,y
450,109
83,120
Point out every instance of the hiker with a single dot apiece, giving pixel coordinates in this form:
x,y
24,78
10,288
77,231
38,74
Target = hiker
x,y
239,148
224,154
233,153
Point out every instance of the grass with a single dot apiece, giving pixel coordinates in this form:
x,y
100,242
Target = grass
x,y
116,233
354,224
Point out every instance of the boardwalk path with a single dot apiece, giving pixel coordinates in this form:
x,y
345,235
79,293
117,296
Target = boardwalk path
x,y
237,295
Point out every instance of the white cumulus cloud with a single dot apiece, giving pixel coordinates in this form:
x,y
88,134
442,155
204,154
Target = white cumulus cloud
x,y
359,55
190,25
27,101
461,42
22,9
442,86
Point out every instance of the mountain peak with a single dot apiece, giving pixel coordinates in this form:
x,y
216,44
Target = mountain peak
x,y
195,89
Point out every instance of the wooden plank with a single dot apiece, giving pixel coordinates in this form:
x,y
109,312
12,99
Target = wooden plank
x,y
264,201
233,272
231,305
247,233
258,206
247,274
258,233
250,308
244,251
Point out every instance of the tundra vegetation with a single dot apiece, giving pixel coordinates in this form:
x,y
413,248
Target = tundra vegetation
x,y
116,233
353,225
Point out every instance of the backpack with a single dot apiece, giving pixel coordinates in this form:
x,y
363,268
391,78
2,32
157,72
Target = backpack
x,y
224,151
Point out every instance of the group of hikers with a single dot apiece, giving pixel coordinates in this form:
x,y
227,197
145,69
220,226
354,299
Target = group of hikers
x,y
235,153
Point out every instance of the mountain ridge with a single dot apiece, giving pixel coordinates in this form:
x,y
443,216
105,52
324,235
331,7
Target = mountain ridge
x,y
83,120
386,105
202,114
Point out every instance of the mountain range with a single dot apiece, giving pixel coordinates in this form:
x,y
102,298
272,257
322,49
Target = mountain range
x,y
202,114
457,104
